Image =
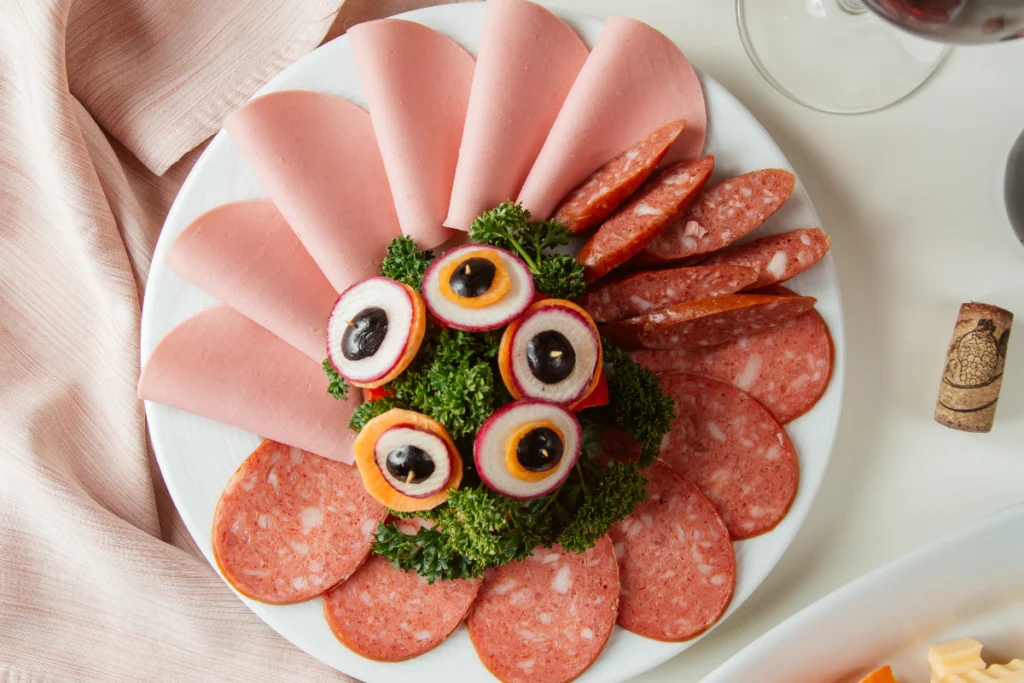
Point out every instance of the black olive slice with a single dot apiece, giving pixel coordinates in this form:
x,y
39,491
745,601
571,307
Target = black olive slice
x,y
365,333
410,464
473,277
551,357
539,450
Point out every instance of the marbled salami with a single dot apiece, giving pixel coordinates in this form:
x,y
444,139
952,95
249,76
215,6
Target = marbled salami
x,y
290,524
389,615
787,368
721,215
653,290
638,221
776,258
547,618
707,322
731,447
677,568
608,187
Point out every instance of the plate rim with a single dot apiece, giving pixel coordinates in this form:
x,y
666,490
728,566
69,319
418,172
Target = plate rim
x,y
574,19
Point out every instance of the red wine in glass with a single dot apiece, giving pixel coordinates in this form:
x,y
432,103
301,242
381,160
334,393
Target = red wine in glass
x,y
955,21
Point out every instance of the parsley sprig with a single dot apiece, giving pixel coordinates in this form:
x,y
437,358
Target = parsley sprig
x,y
405,262
508,226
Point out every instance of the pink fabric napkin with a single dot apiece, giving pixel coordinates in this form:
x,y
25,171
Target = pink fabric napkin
x,y
103,105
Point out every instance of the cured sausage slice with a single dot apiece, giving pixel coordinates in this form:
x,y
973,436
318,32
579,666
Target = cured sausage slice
x,y
731,447
776,258
721,215
707,322
787,368
656,289
677,568
389,615
637,222
547,618
290,524
609,186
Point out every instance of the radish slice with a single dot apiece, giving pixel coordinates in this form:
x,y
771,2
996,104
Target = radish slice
x,y
464,315
553,353
529,431
414,462
370,328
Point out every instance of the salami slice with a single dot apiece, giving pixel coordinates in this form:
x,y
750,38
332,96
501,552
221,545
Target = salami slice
x,y
656,289
731,447
609,186
290,524
637,222
677,567
787,368
547,618
776,258
721,215
707,322
389,615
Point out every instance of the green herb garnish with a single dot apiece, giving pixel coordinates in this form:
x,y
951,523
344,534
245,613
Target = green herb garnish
x,y
637,401
337,386
508,226
367,410
405,262
610,497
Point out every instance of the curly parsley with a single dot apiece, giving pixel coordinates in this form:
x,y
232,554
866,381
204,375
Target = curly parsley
x,y
508,226
336,386
405,262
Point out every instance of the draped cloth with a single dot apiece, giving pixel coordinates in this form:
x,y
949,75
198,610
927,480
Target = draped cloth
x,y
104,107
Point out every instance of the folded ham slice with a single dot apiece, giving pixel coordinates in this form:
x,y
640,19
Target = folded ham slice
x,y
417,84
634,80
317,157
223,366
246,255
527,63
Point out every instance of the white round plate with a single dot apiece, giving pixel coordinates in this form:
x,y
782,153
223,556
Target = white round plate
x,y
969,584
198,456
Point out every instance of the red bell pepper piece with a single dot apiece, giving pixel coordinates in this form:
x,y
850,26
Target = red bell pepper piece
x,y
597,397
377,393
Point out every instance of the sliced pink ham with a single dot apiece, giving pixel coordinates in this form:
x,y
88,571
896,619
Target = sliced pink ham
x,y
223,366
527,63
634,80
317,157
246,255
417,84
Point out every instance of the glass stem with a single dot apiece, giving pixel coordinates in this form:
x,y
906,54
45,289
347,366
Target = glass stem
x,y
853,7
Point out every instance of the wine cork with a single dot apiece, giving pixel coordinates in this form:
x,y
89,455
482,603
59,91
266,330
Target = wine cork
x,y
969,392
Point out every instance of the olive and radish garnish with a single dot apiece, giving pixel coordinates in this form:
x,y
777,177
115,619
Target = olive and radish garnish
x,y
527,448
476,288
407,460
553,352
375,330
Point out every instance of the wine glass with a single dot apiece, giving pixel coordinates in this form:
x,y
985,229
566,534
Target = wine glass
x,y
837,57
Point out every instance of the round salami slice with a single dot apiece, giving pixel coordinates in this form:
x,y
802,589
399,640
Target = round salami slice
x,y
653,290
290,524
389,615
787,368
609,186
547,618
677,568
776,258
721,215
731,447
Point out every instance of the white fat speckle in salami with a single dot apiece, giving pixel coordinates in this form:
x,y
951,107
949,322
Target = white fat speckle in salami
x,y
645,209
276,541
735,477
666,572
408,617
555,634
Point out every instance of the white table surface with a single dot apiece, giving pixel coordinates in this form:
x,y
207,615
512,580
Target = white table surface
x,y
913,199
